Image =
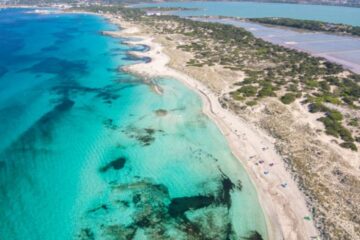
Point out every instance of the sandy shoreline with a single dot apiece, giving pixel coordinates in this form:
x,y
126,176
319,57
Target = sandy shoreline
x,y
284,207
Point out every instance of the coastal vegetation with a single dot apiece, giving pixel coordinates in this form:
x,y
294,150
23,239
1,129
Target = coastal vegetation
x,y
129,13
310,25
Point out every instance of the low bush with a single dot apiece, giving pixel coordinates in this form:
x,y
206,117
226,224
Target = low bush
x,y
334,115
349,145
248,91
251,103
288,98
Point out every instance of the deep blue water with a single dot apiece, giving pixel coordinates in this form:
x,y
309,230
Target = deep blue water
x,y
333,14
90,152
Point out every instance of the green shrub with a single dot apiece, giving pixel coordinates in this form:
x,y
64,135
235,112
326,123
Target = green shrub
x,y
317,107
292,88
334,128
288,98
328,98
349,145
331,126
237,96
312,83
348,100
248,80
267,90
345,134
324,86
248,91
251,103
334,115
354,122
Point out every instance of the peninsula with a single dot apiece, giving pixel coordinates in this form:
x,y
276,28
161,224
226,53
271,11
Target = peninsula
x,y
310,25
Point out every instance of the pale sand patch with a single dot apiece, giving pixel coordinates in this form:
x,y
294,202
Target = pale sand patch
x,y
284,208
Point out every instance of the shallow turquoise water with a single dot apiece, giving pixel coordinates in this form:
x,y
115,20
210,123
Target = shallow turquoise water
x,y
88,152
333,14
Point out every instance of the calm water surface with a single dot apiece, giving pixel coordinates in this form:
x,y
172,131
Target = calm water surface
x,y
90,152
333,14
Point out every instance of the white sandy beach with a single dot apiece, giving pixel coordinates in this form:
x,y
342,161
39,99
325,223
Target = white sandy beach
x,y
284,206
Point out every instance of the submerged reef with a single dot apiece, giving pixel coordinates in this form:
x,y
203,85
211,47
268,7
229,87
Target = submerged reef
x,y
150,211
86,234
109,123
179,206
107,94
161,112
60,67
132,57
144,136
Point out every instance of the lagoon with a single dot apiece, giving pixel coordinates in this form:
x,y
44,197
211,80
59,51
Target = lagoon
x,y
332,14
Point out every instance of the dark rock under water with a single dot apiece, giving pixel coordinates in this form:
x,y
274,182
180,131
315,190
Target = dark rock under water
x,y
145,136
254,235
179,206
225,189
159,216
116,164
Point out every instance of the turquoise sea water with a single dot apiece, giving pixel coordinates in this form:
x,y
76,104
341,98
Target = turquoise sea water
x,y
90,152
333,14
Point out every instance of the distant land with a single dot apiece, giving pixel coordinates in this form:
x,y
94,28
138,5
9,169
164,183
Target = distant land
x,y
348,3
311,25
